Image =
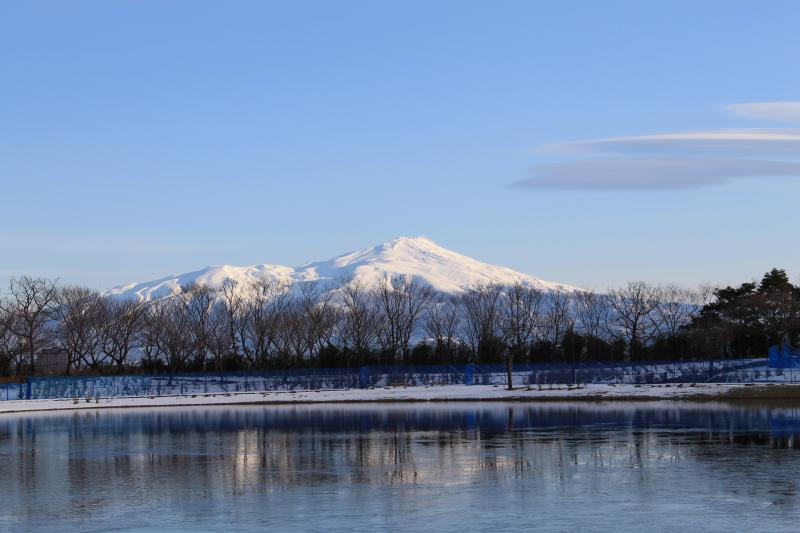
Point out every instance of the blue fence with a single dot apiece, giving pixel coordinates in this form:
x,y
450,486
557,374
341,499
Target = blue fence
x,y
697,371
730,371
12,391
201,383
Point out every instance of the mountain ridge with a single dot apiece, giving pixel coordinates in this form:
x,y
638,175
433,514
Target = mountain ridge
x,y
443,269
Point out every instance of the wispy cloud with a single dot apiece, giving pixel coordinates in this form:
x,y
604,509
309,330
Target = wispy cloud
x,y
734,142
787,111
651,173
683,160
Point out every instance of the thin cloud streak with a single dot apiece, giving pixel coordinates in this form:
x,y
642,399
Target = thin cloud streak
x,y
786,111
734,142
650,174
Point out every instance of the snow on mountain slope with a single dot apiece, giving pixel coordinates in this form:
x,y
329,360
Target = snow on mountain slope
x,y
213,276
442,269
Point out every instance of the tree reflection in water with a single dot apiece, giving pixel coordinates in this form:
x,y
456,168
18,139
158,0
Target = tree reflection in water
x,y
261,461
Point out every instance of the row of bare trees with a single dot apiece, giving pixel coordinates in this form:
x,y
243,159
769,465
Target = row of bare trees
x,y
266,323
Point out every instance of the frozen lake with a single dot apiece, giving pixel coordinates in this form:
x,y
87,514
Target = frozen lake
x,y
436,467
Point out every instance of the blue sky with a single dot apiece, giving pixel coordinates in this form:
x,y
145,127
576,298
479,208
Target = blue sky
x,y
144,138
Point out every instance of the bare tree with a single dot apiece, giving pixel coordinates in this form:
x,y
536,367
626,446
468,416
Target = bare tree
x,y
121,320
231,294
519,318
416,295
442,324
80,326
150,331
358,319
701,297
314,317
390,304
219,341
479,311
401,300
558,317
10,344
632,306
30,307
173,342
199,301
289,336
163,333
673,309
592,312
264,305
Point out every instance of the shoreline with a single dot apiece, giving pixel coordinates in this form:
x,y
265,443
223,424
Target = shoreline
x,y
422,394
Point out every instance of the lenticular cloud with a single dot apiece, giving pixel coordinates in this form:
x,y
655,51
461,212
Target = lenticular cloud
x,y
652,173
670,161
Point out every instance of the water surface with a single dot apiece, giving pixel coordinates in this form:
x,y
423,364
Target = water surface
x,y
436,467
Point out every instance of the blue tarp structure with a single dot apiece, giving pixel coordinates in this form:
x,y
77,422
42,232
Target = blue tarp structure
x,y
783,356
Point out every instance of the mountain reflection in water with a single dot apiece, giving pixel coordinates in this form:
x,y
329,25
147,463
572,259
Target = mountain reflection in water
x,y
410,466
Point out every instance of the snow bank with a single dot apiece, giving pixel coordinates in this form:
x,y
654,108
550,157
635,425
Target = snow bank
x,y
406,394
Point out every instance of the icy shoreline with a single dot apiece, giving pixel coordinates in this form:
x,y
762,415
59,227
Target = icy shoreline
x,y
446,393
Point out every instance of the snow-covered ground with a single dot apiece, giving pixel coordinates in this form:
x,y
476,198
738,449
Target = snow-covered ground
x,y
674,374
424,394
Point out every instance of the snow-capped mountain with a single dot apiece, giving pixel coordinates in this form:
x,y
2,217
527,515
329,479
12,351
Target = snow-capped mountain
x,y
442,269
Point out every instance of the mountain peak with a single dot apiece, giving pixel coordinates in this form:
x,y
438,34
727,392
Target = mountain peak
x,y
418,242
419,257
399,245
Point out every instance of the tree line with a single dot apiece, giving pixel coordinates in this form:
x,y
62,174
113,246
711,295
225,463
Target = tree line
x,y
269,324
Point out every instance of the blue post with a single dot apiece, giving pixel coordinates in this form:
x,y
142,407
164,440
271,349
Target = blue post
x,y
774,357
28,391
363,377
469,374
786,357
